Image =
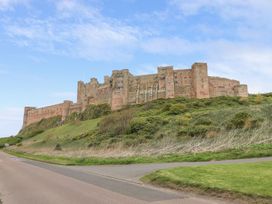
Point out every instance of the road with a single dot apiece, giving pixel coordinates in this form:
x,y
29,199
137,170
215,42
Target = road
x,y
30,182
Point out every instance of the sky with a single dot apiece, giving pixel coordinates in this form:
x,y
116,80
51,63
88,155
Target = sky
x,y
47,46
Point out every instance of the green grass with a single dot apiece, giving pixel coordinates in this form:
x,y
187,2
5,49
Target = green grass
x,y
252,179
178,125
68,135
9,140
179,119
250,152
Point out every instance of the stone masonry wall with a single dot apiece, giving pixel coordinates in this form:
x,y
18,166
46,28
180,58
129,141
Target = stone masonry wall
x,y
122,89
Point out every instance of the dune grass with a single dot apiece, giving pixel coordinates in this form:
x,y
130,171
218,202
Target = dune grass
x,y
252,180
253,151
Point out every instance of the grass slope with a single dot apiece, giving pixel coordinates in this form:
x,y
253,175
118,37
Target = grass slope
x,y
223,127
73,134
252,180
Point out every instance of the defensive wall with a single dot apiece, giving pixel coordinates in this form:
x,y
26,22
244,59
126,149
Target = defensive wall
x,y
122,88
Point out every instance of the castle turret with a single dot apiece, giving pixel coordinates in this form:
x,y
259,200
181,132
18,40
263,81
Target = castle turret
x,y
241,90
26,111
119,97
166,80
200,80
66,109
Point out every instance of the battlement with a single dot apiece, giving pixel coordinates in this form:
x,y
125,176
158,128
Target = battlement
x,y
122,89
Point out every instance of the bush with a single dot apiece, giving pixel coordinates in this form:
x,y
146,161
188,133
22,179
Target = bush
x,y
185,119
95,111
259,99
267,110
177,109
58,147
73,117
19,144
203,121
39,127
12,140
117,123
166,107
148,125
195,131
243,120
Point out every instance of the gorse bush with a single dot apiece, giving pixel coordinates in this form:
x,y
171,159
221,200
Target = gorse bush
x,y
163,121
196,130
243,120
147,124
117,123
177,109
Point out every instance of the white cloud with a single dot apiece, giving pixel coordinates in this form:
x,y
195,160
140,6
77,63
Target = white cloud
x,y
11,120
168,46
228,9
77,31
249,62
9,4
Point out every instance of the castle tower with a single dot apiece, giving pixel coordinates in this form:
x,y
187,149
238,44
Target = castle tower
x,y
119,97
200,80
166,80
66,109
241,90
26,111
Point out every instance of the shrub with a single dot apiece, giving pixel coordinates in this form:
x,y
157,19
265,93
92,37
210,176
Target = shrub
x,y
203,121
73,117
238,121
195,131
117,123
39,127
198,104
259,99
177,109
148,125
58,147
267,110
166,107
95,111
12,140
185,119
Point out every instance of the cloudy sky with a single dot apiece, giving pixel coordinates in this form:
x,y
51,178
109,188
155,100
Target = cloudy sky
x,y
47,46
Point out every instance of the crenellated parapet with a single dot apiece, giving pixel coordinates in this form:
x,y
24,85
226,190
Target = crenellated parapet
x,y
122,89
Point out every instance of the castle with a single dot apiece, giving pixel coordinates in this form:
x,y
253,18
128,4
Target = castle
x,y
122,88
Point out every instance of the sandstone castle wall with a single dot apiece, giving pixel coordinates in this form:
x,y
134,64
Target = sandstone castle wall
x,y
122,88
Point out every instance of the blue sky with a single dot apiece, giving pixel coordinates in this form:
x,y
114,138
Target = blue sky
x,y
47,46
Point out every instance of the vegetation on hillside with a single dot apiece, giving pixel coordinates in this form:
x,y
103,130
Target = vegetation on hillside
x,y
163,126
12,140
252,151
229,180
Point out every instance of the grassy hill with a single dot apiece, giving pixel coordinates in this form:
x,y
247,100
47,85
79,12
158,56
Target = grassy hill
x,y
163,126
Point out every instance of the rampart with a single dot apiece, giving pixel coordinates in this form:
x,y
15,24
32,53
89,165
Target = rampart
x,y
122,88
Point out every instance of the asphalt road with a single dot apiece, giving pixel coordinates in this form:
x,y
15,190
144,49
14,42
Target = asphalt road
x,y
30,182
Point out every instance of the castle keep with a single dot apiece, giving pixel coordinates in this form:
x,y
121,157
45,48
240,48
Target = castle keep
x,y
122,88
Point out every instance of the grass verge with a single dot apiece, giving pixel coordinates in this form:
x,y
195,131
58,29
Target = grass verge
x,y
250,182
253,151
